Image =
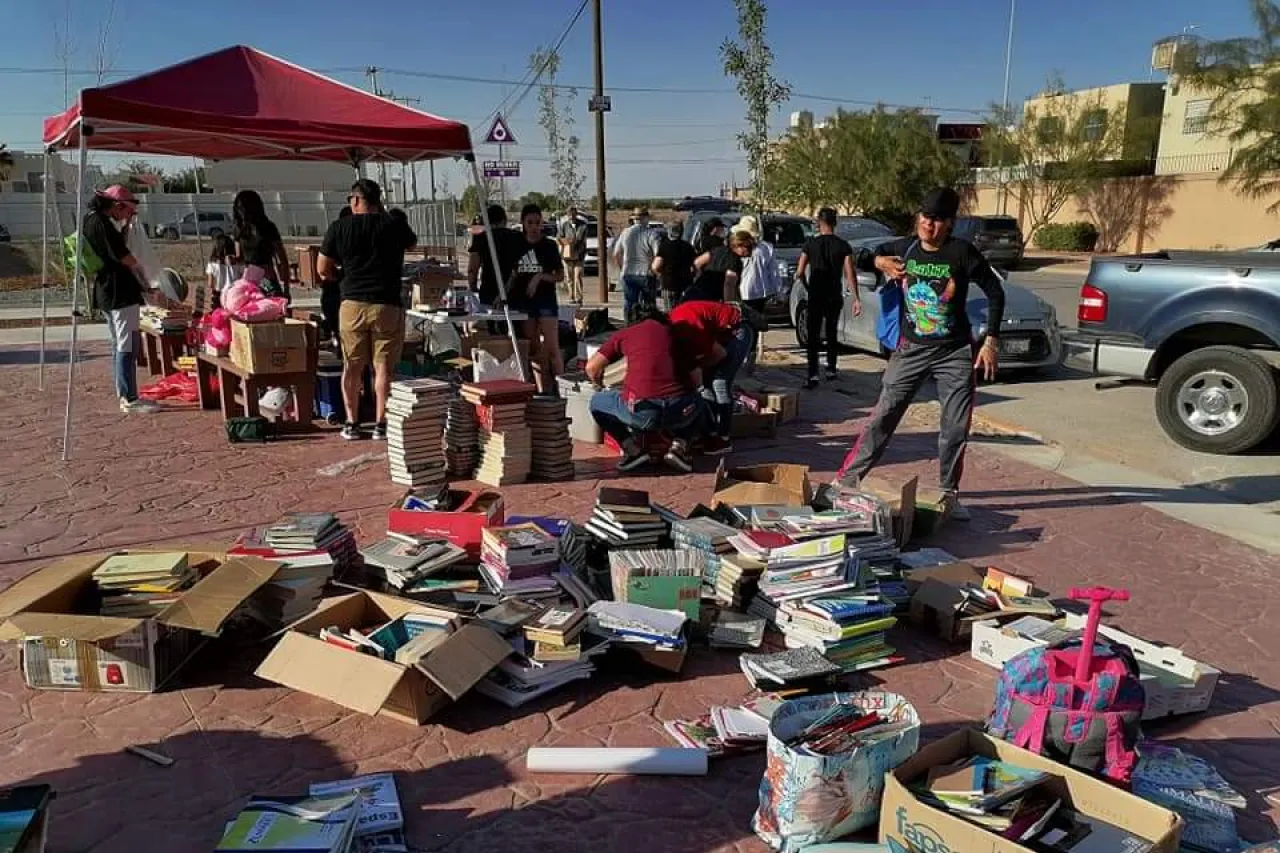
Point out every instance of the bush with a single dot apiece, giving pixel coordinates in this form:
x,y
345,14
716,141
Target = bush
x,y
1067,237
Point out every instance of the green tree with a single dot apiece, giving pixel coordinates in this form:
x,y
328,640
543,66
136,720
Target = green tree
x,y
138,176
187,181
1243,75
555,116
749,61
469,203
546,201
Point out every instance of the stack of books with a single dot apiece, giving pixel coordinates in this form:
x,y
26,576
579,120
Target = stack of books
x,y
173,319
790,672
461,433
519,560
709,536
625,518
737,579
325,824
315,531
552,446
139,586
554,633
622,622
415,426
505,442
404,560
848,629
1001,797
804,569
519,679
297,586
657,578
380,819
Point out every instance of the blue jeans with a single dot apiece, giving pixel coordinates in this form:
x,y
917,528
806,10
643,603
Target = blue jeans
x,y
717,382
636,289
680,416
122,333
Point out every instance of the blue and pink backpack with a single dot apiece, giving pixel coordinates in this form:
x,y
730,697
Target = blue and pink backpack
x,y
1079,702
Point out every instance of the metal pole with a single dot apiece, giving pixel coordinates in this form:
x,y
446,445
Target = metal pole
x,y
413,175
195,208
44,262
602,203
431,166
483,199
502,180
75,293
1004,104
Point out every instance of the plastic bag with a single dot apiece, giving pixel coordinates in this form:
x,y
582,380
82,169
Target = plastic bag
x,y
180,387
245,301
158,277
488,367
808,799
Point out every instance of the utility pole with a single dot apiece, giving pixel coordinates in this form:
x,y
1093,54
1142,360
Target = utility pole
x,y
602,200
413,169
372,73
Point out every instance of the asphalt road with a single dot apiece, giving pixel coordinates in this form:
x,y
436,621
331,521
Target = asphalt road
x,y
1059,288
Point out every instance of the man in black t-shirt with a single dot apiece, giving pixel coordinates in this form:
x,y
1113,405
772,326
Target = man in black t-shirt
x,y
481,277
674,264
369,247
829,260
934,271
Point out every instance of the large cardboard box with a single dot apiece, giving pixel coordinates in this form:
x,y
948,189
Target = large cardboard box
x,y
410,693
935,595
66,646
778,484
279,346
463,525
1175,683
918,826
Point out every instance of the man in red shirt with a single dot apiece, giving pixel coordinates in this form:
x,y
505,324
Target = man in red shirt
x,y
657,394
720,339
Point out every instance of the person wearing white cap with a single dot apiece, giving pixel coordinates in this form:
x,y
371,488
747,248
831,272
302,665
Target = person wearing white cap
x,y
117,287
759,280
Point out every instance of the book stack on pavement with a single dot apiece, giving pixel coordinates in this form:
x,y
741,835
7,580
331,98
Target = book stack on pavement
x,y
296,587
325,824
404,560
139,586
505,442
415,429
552,446
791,671
849,629
554,634
727,730
709,536
461,435
519,560
315,531
379,818
624,623
519,678
737,579
806,568
625,518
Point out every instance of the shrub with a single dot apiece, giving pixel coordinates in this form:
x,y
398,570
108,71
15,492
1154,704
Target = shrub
x,y
1067,237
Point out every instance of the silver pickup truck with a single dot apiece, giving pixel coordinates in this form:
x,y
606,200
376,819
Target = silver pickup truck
x,y
1203,326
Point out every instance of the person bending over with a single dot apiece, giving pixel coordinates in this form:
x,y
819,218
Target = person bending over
x,y
721,340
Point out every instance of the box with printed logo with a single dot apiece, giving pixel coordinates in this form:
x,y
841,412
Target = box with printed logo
x,y
918,826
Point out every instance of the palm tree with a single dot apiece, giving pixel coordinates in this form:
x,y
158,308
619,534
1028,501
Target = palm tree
x,y
6,162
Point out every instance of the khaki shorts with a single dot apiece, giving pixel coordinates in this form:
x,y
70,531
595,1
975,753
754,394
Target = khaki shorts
x,y
370,331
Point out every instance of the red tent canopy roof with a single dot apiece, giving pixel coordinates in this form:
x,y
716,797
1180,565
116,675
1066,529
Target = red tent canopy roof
x,y
240,103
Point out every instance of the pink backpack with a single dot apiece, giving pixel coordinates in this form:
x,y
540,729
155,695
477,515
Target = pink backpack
x,y
1079,702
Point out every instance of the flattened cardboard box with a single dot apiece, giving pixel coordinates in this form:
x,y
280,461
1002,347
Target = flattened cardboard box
x,y
777,484
918,826
64,648
410,693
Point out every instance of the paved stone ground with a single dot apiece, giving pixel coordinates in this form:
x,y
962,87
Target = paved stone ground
x,y
173,478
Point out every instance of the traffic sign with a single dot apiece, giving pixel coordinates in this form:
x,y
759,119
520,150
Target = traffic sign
x,y
499,133
600,104
501,168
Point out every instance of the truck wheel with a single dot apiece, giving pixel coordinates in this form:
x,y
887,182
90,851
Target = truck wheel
x,y
1218,400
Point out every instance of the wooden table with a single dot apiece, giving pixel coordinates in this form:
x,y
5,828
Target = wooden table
x,y
238,390
160,350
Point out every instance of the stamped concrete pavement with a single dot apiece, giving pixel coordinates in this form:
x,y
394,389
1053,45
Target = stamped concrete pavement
x,y
173,478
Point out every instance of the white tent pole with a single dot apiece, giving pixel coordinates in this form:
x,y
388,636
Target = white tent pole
x,y
75,293
195,208
44,262
483,198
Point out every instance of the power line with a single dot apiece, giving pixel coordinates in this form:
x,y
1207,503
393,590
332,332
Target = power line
x,y
528,86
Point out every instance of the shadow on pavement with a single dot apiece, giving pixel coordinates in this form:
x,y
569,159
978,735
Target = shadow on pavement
x,y
20,357
1244,489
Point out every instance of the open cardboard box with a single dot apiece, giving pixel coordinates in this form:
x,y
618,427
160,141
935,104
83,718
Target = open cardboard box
x,y
411,693
777,484
473,511
918,826
65,647
900,495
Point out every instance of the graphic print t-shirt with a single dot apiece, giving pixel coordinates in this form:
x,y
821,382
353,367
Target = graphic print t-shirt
x,y
936,288
542,256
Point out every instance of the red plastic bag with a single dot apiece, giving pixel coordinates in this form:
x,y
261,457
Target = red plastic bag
x,y
179,387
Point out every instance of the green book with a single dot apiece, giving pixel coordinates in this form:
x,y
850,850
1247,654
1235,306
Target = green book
x,y
293,825
167,564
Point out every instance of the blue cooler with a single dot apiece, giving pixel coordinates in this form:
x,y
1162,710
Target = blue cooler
x,y
329,405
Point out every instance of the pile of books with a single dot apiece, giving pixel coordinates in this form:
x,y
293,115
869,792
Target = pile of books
x,y
315,531
296,587
1001,797
380,819
553,634
415,426
461,433
175,318
709,536
806,568
791,672
625,518
625,623
668,576
737,579
404,639
139,586
730,630
727,729
552,446
404,560
848,629
322,824
519,560
519,679
505,442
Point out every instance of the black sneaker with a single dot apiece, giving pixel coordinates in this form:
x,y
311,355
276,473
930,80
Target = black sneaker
x,y
678,457
380,431
832,374
811,383
633,456
351,432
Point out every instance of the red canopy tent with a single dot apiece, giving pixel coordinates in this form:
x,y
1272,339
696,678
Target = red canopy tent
x,y
240,103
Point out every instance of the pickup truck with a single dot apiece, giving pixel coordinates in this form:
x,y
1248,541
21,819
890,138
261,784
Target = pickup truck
x,y
1204,327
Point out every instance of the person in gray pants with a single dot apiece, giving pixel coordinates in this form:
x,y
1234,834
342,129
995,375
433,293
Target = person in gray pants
x,y
933,271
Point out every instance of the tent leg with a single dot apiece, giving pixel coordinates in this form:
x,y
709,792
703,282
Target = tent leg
x,y
75,293
44,264
483,200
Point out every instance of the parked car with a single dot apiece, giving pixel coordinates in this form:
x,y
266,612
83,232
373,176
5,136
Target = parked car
x,y
211,225
1029,334
1204,327
706,202
999,238
591,259
857,228
786,233
4,235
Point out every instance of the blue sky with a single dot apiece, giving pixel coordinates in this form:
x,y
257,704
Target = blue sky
x,y
945,55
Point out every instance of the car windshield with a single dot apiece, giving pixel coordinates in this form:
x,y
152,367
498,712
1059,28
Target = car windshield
x,y
998,224
862,229
787,233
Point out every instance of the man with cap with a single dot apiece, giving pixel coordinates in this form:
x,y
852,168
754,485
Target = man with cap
x,y
934,271
633,253
572,237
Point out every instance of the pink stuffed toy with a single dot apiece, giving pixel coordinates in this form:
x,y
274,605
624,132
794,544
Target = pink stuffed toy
x,y
246,301
217,328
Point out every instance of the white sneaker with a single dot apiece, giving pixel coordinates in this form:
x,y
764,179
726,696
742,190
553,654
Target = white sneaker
x,y
145,407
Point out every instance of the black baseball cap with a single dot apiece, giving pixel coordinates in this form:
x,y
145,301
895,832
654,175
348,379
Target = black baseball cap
x,y
941,203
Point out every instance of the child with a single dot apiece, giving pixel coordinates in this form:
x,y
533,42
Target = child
x,y
224,267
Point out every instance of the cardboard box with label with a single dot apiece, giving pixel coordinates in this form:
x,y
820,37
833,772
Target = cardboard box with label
x,y
279,346
1174,682
774,484
408,692
897,493
918,826
463,524
65,647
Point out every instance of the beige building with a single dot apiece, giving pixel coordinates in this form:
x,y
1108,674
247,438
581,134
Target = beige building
x,y
1140,104
1188,144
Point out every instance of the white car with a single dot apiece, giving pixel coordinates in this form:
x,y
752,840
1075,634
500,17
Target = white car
x,y
591,260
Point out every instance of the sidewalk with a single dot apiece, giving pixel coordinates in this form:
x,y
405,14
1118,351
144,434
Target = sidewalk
x,y
173,478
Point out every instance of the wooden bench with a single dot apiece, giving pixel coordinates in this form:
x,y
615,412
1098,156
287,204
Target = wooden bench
x,y
159,351
238,390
